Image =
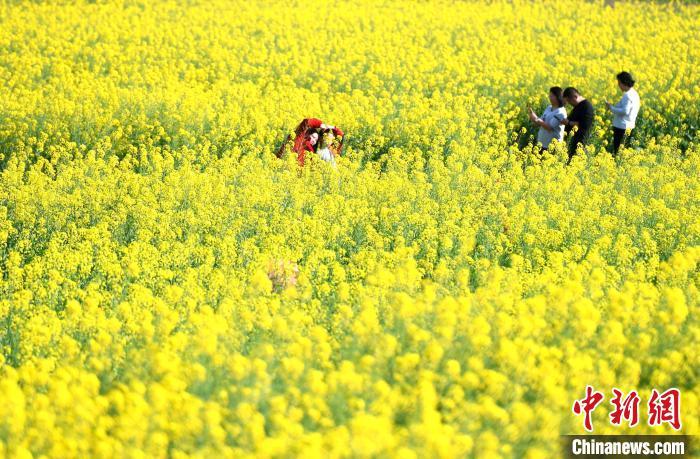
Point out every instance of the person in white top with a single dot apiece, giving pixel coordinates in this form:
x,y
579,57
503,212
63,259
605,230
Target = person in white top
x,y
550,121
324,149
625,111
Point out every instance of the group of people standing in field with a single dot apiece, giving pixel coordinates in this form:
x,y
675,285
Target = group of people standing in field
x,y
313,136
554,121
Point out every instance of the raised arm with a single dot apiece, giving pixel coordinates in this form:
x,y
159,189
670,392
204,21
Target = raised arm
x,y
314,123
624,107
317,123
551,124
544,125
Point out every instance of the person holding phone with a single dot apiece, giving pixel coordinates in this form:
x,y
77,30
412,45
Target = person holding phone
x,y
550,120
625,111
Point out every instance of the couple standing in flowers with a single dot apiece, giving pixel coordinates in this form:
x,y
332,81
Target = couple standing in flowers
x,y
313,136
554,120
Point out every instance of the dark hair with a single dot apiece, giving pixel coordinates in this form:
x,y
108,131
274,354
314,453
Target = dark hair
x,y
307,135
625,78
557,92
571,92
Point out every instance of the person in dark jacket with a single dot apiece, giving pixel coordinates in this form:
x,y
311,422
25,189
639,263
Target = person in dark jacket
x,y
580,118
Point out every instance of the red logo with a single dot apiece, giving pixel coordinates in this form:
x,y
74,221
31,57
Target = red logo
x,y
587,405
663,407
627,409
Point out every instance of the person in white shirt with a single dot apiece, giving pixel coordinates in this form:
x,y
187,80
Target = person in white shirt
x,y
550,121
625,111
325,151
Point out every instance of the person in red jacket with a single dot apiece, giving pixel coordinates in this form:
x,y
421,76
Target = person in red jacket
x,y
307,136
305,143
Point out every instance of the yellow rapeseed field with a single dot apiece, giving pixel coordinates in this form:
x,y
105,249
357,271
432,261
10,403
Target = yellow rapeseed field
x,y
170,288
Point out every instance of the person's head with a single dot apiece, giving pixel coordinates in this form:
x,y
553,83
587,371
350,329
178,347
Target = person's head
x,y
327,137
556,97
571,95
625,81
312,135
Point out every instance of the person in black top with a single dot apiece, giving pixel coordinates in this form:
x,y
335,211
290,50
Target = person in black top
x,y
580,117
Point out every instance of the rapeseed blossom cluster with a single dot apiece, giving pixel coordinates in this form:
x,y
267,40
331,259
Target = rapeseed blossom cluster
x,y
172,289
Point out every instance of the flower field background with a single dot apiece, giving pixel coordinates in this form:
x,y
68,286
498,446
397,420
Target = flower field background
x,y
172,289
